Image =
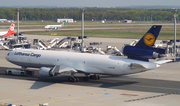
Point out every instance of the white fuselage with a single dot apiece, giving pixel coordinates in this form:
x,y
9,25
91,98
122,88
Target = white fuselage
x,y
53,26
83,62
2,33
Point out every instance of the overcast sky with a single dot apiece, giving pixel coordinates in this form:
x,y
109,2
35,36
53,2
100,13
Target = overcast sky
x,y
88,3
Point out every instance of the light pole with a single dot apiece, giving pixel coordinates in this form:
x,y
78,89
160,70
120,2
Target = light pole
x,y
175,11
17,21
151,18
82,29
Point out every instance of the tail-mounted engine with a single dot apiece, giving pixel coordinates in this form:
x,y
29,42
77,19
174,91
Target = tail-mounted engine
x,y
141,54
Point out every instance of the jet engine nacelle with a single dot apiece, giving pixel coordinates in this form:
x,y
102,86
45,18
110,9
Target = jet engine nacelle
x,y
45,71
140,53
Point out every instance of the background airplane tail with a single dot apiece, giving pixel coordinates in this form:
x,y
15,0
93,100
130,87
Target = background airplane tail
x,y
144,49
10,30
63,24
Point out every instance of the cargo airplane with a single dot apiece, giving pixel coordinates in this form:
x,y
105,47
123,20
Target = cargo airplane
x,y
55,26
52,63
10,31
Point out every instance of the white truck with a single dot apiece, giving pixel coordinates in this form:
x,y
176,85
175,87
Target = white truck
x,y
15,71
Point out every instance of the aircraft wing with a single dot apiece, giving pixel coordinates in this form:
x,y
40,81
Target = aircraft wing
x,y
63,68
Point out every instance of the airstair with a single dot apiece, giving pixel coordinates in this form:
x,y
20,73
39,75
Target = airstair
x,y
3,46
62,43
54,42
43,45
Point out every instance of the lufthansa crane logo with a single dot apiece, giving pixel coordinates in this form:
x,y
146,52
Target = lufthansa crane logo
x,y
149,39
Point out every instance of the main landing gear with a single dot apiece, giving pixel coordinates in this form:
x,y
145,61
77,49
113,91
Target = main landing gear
x,y
95,77
86,78
72,78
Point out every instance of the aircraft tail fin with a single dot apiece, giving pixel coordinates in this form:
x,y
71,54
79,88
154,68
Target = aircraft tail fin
x,y
144,49
10,30
149,38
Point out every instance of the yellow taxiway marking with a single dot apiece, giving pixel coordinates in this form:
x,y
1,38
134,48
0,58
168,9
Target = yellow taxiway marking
x,y
70,98
172,73
155,87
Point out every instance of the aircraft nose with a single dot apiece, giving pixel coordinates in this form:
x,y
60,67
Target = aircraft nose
x,y
7,56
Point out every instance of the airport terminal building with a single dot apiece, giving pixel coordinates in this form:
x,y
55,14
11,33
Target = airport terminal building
x,y
63,19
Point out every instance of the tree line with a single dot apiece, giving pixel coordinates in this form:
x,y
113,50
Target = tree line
x,y
90,13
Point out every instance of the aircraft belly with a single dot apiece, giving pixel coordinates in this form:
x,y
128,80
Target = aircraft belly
x,y
20,63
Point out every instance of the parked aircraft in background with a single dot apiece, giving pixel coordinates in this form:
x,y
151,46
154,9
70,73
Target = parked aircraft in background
x,y
52,63
55,26
10,31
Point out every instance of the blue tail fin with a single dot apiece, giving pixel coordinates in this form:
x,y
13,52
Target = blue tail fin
x,y
149,38
144,49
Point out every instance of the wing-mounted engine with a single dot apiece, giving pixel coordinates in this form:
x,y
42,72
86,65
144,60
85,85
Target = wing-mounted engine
x,y
45,71
141,53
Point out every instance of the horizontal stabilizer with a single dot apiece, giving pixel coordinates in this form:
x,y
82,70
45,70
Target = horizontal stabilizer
x,y
160,61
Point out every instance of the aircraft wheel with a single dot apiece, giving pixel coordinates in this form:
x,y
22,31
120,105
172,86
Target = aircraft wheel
x,y
9,72
73,79
69,79
77,79
22,74
91,77
98,77
95,77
